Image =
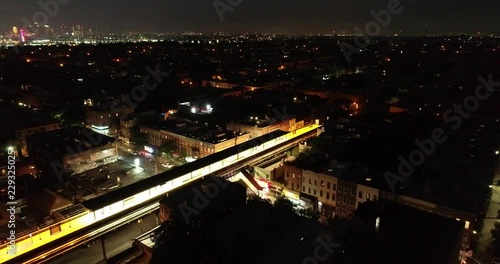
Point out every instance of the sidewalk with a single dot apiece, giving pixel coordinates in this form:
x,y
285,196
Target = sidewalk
x,y
484,250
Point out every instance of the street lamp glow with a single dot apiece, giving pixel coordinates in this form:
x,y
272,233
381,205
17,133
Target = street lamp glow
x,y
193,110
10,148
497,152
137,162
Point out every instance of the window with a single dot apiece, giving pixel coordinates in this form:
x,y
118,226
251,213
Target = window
x,y
352,202
353,191
360,194
322,183
303,188
367,196
309,190
315,183
321,193
338,199
333,197
327,195
309,180
314,191
345,200
293,175
334,187
328,185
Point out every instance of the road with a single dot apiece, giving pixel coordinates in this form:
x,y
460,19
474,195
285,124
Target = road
x,y
484,251
115,243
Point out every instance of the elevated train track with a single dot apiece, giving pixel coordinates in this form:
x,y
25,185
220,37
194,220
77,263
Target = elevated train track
x,y
113,209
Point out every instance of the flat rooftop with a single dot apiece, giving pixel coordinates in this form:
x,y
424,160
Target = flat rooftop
x,y
402,231
195,131
72,138
262,120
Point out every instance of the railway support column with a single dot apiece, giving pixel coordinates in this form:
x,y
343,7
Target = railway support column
x,y
103,239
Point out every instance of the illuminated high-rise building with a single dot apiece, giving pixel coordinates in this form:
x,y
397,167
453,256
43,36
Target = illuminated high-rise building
x,y
22,35
15,31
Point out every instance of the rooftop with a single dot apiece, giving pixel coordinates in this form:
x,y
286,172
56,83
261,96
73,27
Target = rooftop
x,y
263,120
402,230
195,131
72,138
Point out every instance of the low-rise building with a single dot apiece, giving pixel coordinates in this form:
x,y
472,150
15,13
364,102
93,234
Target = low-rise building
x,y
73,149
30,129
106,120
257,126
217,196
194,140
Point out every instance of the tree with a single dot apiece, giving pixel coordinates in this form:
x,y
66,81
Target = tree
x,y
171,243
168,148
139,138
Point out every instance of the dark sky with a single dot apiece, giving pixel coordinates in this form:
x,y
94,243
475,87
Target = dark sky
x,y
287,16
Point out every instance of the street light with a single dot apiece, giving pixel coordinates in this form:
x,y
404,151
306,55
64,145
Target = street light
x,y
497,152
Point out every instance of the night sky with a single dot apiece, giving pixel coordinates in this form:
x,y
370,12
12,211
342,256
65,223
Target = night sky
x,y
280,16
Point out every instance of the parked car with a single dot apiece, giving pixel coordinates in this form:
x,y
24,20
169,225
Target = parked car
x,y
167,165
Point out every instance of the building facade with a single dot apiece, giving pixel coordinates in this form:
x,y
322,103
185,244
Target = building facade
x,y
345,195
257,128
192,146
106,122
323,187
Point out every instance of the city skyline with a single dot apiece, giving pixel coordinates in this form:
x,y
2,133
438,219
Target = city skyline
x,y
422,18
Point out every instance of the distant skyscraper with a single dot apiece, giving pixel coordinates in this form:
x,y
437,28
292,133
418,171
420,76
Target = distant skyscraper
x,y
22,35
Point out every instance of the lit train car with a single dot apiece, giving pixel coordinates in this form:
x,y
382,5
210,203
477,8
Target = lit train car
x,y
149,189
